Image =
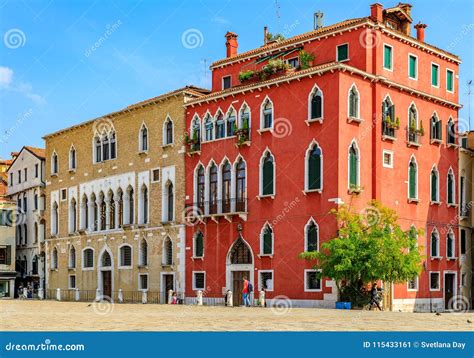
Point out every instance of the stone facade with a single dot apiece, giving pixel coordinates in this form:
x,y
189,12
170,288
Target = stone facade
x,y
115,199
7,247
26,188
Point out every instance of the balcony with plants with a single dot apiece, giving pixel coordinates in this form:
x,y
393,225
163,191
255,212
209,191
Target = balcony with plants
x,y
389,127
415,134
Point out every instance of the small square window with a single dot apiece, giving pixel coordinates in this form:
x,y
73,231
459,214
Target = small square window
x,y
266,280
294,62
343,52
199,280
387,57
155,175
434,281
72,281
387,159
143,281
63,194
312,280
226,82
434,75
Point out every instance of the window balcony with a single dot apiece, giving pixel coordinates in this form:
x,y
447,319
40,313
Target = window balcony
x,y
414,137
214,209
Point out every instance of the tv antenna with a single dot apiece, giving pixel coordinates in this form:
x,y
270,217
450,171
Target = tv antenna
x,y
277,11
469,94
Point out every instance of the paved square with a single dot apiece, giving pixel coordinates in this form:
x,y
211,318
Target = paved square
x,y
83,316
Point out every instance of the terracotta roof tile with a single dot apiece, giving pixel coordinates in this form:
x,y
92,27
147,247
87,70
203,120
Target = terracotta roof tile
x,y
39,152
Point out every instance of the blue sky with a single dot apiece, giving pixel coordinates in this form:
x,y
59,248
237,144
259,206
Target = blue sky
x,y
64,62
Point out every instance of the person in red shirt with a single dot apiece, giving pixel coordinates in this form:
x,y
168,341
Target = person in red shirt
x,y
246,293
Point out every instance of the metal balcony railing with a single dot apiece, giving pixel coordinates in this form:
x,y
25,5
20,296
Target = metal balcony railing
x,y
218,207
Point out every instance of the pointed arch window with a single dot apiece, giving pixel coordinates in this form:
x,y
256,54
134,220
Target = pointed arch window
x,y
244,118
231,122
167,252
434,185
131,203
54,164
240,253
209,127
312,237
314,168
168,132
103,211
220,125
266,240
105,147
389,122
98,149
268,174
451,187
73,216
354,167
354,103
72,257
315,104
54,219
240,186
143,138
436,128
88,258
450,243
120,207
72,158
196,131
434,243
199,244
170,202
213,189
125,256
144,205
412,124
200,188
226,187
111,213
106,260
412,180
113,146
143,253
267,114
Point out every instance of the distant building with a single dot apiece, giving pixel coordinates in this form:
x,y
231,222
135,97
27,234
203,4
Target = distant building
x,y
26,188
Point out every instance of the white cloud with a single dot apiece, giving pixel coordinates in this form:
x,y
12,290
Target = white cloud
x,y
25,88
6,76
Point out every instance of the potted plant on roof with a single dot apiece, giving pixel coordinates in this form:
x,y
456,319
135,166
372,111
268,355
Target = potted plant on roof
x,y
245,76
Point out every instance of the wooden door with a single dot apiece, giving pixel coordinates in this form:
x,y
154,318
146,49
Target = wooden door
x,y
448,291
238,286
107,283
169,285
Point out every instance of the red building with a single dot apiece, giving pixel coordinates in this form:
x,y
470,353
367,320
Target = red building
x,y
274,147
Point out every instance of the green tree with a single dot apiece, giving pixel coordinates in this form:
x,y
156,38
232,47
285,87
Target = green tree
x,y
370,246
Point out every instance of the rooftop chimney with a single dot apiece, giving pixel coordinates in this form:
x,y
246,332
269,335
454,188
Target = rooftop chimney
x,y
231,44
265,35
318,20
376,12
420,31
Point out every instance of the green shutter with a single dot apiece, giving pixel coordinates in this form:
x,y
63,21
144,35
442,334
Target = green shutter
x,y
412,182
352,170
434,75
268,177
412,67
312,238
267,242
449,81
387,58
314,180
342,53
199,245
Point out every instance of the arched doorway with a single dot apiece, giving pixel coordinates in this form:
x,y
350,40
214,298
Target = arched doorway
x,y
239,265
105,273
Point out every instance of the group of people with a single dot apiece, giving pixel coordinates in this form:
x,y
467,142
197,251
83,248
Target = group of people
x,y
25,292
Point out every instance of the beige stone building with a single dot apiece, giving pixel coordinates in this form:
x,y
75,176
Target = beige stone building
x,y
466,217
8,217
115,202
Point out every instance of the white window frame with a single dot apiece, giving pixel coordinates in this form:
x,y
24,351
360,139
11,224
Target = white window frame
x,y
416,67
222,83
61,194
194,245
71,168
416,198
53,171
438,200
390,152
439,281
431,75
417,280
121,265
262,117
306,168
311,220
164,134
260,283
391,58
451,232
452,71
140,288
312,93
140,139
260,169
451,171
194,281
151,175
438,239
337,52
305,281
82,259
353,141
349,103
261,240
